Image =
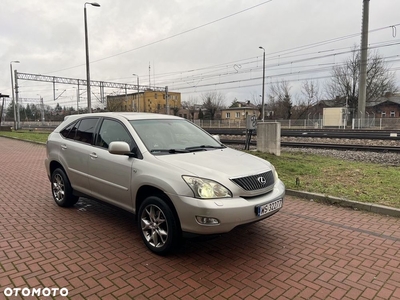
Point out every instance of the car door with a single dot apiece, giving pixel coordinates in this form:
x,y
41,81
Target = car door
x,y
110,174
75,150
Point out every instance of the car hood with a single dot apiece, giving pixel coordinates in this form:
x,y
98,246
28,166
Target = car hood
x,y
225,162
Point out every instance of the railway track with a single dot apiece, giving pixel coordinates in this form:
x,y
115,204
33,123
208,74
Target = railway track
x,y
387,135
320,133
322,146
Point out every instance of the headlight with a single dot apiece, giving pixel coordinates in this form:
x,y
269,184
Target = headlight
x,y
206,189
275,173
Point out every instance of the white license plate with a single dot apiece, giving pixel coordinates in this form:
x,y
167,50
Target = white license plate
x,y
269,207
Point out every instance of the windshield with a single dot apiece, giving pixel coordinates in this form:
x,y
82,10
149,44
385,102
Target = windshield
x,y
173,136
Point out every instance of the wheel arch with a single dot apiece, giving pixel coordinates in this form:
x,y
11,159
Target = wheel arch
x,y
55,165
148,190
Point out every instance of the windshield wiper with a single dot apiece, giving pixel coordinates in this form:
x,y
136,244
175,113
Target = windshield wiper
x,y
169,150
203,147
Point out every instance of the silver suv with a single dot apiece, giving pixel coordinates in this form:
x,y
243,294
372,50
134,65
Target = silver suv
x,y
177,179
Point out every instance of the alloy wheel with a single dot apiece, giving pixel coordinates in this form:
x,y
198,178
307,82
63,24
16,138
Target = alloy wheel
x,y
58,188
154,226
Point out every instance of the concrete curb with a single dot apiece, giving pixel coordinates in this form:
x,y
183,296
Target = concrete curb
x,y
375,208
22,140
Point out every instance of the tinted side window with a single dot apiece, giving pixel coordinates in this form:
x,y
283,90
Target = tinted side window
x,y
70,131
86,130
111,131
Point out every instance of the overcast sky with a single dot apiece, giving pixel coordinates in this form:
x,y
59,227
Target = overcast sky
x,y
191,46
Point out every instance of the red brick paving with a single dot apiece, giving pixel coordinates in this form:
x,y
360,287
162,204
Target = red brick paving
x,y
306,251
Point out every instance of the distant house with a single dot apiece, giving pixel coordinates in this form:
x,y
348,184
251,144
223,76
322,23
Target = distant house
x,y
191,113
240,111
387,106
319,107
147,101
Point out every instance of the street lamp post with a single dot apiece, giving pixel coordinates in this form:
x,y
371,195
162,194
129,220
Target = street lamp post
x,y
12,93
89,101
137,108
263,86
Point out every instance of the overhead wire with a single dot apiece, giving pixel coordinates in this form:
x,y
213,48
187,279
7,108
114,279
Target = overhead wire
x,y
171,36
283,54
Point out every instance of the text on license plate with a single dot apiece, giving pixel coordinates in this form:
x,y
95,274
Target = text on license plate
x,y
266,208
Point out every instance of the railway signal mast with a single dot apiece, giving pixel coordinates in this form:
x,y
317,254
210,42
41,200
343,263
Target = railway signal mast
x,y
362,93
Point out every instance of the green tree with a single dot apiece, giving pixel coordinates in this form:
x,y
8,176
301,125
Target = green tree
x,y
201,115
10,110
58,109
28,113
35,112
235,103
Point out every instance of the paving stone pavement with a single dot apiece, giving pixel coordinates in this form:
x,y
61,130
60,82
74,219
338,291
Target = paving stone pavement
x,y
306,251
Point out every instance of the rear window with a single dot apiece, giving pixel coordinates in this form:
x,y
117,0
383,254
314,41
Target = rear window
x,y
86,130
69,131
81,130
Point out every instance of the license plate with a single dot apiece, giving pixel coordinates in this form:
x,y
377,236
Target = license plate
x,y
269,207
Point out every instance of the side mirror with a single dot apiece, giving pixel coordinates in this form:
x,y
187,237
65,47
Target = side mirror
x,y
119,148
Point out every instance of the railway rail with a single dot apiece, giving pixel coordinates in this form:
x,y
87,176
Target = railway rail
x,y
371,148
320,133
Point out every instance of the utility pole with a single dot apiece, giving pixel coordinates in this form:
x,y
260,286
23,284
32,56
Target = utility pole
x,y
12,93
89,101
362,93
166,99
16,100
77,98
149,77
42,105
263,87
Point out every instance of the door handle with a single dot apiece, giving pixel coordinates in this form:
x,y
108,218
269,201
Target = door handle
x,y
63,147
93,155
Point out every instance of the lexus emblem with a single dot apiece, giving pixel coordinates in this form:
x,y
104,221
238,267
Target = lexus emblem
x,y
262,180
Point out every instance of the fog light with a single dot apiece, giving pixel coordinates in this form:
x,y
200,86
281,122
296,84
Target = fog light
x,y
207,221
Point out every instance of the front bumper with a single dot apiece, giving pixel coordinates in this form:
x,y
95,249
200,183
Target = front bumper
x,y
231,212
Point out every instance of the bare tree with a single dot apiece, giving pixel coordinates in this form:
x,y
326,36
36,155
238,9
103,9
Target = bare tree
x,y
344,81
310,92
280,102
257,100
114,104
310,95
212,102
190,105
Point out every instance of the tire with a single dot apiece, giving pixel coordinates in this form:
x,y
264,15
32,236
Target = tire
x,y
158,226
61,189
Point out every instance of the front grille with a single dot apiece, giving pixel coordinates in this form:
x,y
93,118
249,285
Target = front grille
x,y
255,182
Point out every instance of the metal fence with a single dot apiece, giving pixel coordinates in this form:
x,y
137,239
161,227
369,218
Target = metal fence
x,y
370,123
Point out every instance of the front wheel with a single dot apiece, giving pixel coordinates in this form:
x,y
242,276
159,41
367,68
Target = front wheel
x,y
61,189
158,226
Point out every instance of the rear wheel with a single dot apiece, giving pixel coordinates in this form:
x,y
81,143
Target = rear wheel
x,y
61,189
158,226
